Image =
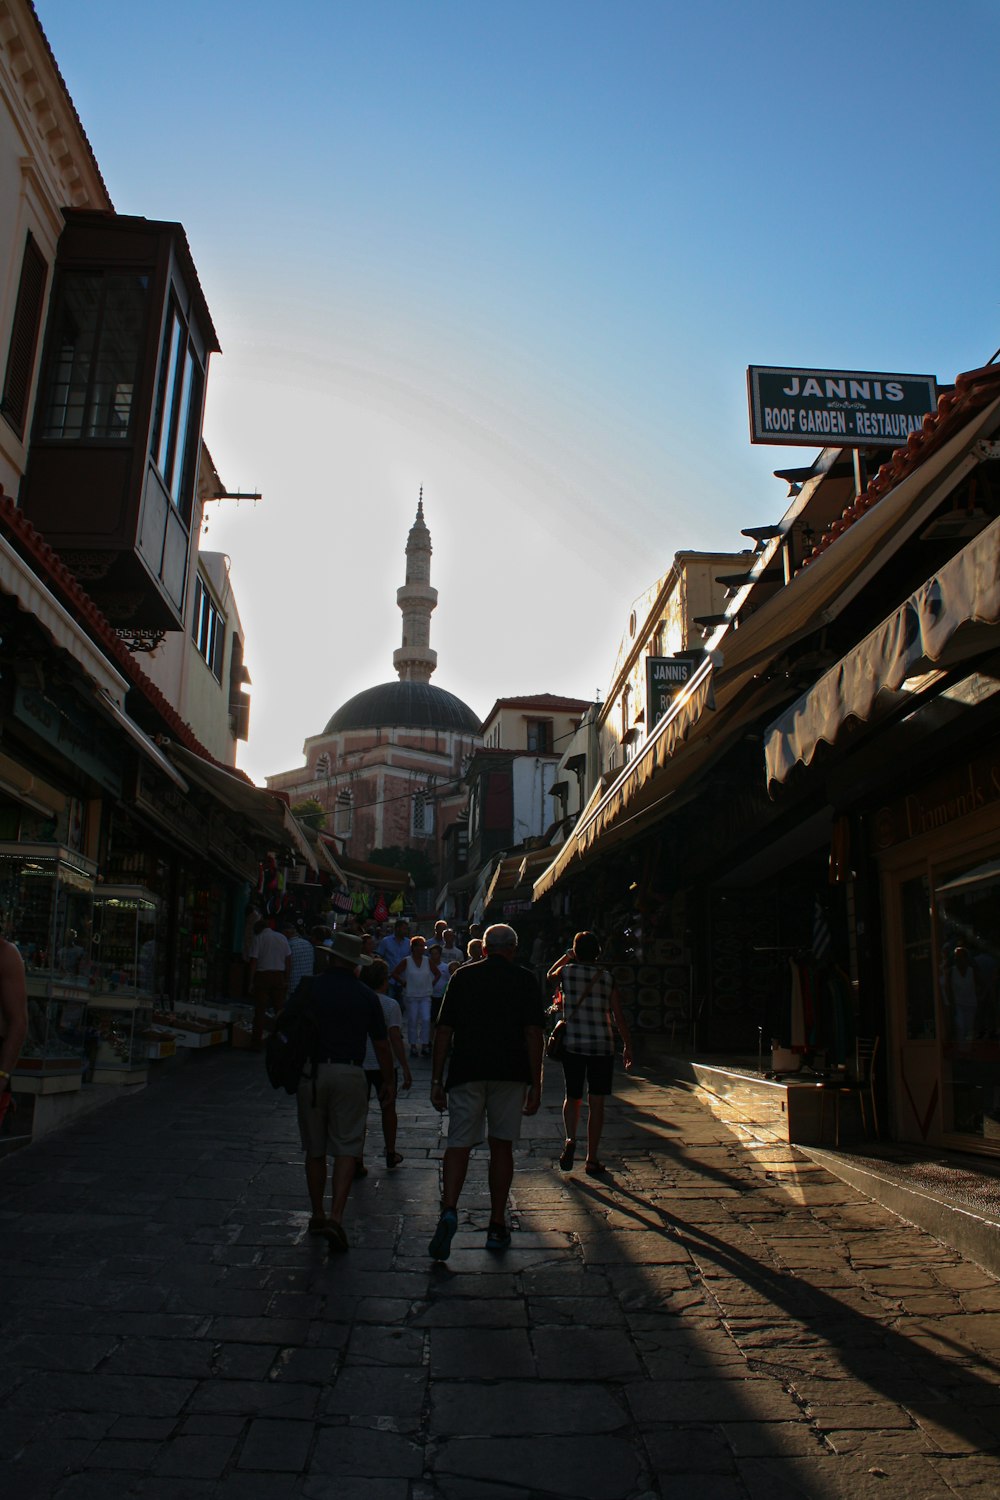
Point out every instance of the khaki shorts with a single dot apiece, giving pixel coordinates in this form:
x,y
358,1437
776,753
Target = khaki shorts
x,y
335,1125
476,1110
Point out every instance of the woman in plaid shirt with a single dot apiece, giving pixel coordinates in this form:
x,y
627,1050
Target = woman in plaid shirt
x,y
591,1006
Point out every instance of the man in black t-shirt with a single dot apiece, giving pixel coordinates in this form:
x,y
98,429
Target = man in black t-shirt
x,y
491,1020
333,1107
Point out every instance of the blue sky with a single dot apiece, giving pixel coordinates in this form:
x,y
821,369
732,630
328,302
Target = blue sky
x,y
521,254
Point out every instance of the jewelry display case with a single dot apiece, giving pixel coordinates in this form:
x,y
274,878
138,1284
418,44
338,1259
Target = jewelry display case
x,y
126,978
46,896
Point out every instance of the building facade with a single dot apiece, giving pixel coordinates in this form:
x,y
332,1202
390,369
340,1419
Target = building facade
x,y
387,768
129,848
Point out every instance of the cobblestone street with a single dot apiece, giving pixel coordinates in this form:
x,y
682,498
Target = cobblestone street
x,y
714,1318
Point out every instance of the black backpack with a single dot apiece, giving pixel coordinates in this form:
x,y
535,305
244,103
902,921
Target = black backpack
x,y
293,1046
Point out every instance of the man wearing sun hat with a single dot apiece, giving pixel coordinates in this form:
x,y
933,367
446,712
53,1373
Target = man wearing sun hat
x,y
333,1107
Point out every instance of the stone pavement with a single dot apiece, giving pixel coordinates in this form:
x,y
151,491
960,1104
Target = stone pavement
x,y
715,1318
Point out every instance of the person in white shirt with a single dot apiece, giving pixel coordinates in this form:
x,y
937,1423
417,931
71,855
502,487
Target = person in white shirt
x,y
270,963
418,973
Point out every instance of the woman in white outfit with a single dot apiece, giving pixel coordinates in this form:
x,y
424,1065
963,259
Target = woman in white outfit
x,y
418,974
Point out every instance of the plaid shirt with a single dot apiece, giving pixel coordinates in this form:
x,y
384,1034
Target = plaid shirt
x,y
588,1022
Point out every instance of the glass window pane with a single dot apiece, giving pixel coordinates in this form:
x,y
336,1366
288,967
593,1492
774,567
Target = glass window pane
x,y
73,347
918,973
188,432
98,327
117,356
166,391
968,914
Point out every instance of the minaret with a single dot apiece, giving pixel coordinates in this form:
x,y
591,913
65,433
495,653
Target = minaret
x,y
414,660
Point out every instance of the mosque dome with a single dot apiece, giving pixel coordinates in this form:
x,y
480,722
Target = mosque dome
x,y
404,705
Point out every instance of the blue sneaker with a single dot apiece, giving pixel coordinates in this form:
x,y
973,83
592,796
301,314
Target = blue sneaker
x,y
440,1245
497,1237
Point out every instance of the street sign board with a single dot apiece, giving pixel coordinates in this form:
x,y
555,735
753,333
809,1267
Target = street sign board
x,y
665,676
836,408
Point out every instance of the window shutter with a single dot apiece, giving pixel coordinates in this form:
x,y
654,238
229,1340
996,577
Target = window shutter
x,y
24,337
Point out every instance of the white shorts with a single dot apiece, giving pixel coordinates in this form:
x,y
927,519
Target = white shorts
x,y
476,1110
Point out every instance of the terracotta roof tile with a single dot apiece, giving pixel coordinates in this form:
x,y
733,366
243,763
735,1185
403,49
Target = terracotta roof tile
x,y
974,389
50,567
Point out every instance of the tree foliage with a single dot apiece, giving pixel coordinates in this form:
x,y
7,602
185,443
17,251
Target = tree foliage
x,y
310,812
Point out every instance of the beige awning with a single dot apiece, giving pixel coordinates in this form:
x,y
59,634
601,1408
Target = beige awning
x,y
820,592
267,813
151,750
943,621
643,785
35,599
689,738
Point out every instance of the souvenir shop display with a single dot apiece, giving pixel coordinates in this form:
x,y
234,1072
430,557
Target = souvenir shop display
x,y
46,895
126,977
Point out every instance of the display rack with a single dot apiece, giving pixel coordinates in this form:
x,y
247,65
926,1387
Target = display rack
x,y
126,975
46,895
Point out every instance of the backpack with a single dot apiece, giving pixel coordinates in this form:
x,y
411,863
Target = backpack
x,y
292,1047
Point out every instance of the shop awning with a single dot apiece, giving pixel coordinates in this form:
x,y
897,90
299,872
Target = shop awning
x,y
146,745
505,878
685,739
690,737
819,593
943,621
267,813
363,872
17,579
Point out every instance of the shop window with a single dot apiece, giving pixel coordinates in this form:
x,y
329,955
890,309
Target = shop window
x,y
98,326
423,814
208,628
917,960
967,903
24,337
177,414
540,736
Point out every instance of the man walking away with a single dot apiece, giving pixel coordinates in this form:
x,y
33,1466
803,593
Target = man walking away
x,y
303,956
393,948
491,1020
333,1107
270,961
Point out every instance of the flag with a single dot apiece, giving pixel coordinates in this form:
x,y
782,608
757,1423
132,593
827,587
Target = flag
x,y
822,939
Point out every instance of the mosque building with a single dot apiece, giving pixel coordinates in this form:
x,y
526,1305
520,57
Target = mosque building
x,y
387,768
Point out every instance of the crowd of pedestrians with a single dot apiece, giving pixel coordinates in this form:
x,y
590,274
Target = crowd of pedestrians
x,y
478,1013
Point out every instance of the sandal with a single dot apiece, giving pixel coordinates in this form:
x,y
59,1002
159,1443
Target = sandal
x,y
392,1159
318,1226
335,1236
566,1160
594,1168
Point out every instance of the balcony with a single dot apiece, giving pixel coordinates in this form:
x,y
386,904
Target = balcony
x,y
113,457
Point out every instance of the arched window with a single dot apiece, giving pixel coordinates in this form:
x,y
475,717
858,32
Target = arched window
x,y
343,815
423,814
323,764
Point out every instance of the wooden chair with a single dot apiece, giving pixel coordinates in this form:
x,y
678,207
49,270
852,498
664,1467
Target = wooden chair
x,y
858,1087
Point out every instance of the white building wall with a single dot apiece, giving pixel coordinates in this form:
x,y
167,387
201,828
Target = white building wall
x,y
533,807
45,165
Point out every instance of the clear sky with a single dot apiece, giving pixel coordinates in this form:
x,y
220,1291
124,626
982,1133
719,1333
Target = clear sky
x,y
521,252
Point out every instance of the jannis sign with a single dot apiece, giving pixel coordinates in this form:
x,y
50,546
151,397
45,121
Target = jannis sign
x,y
836,408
